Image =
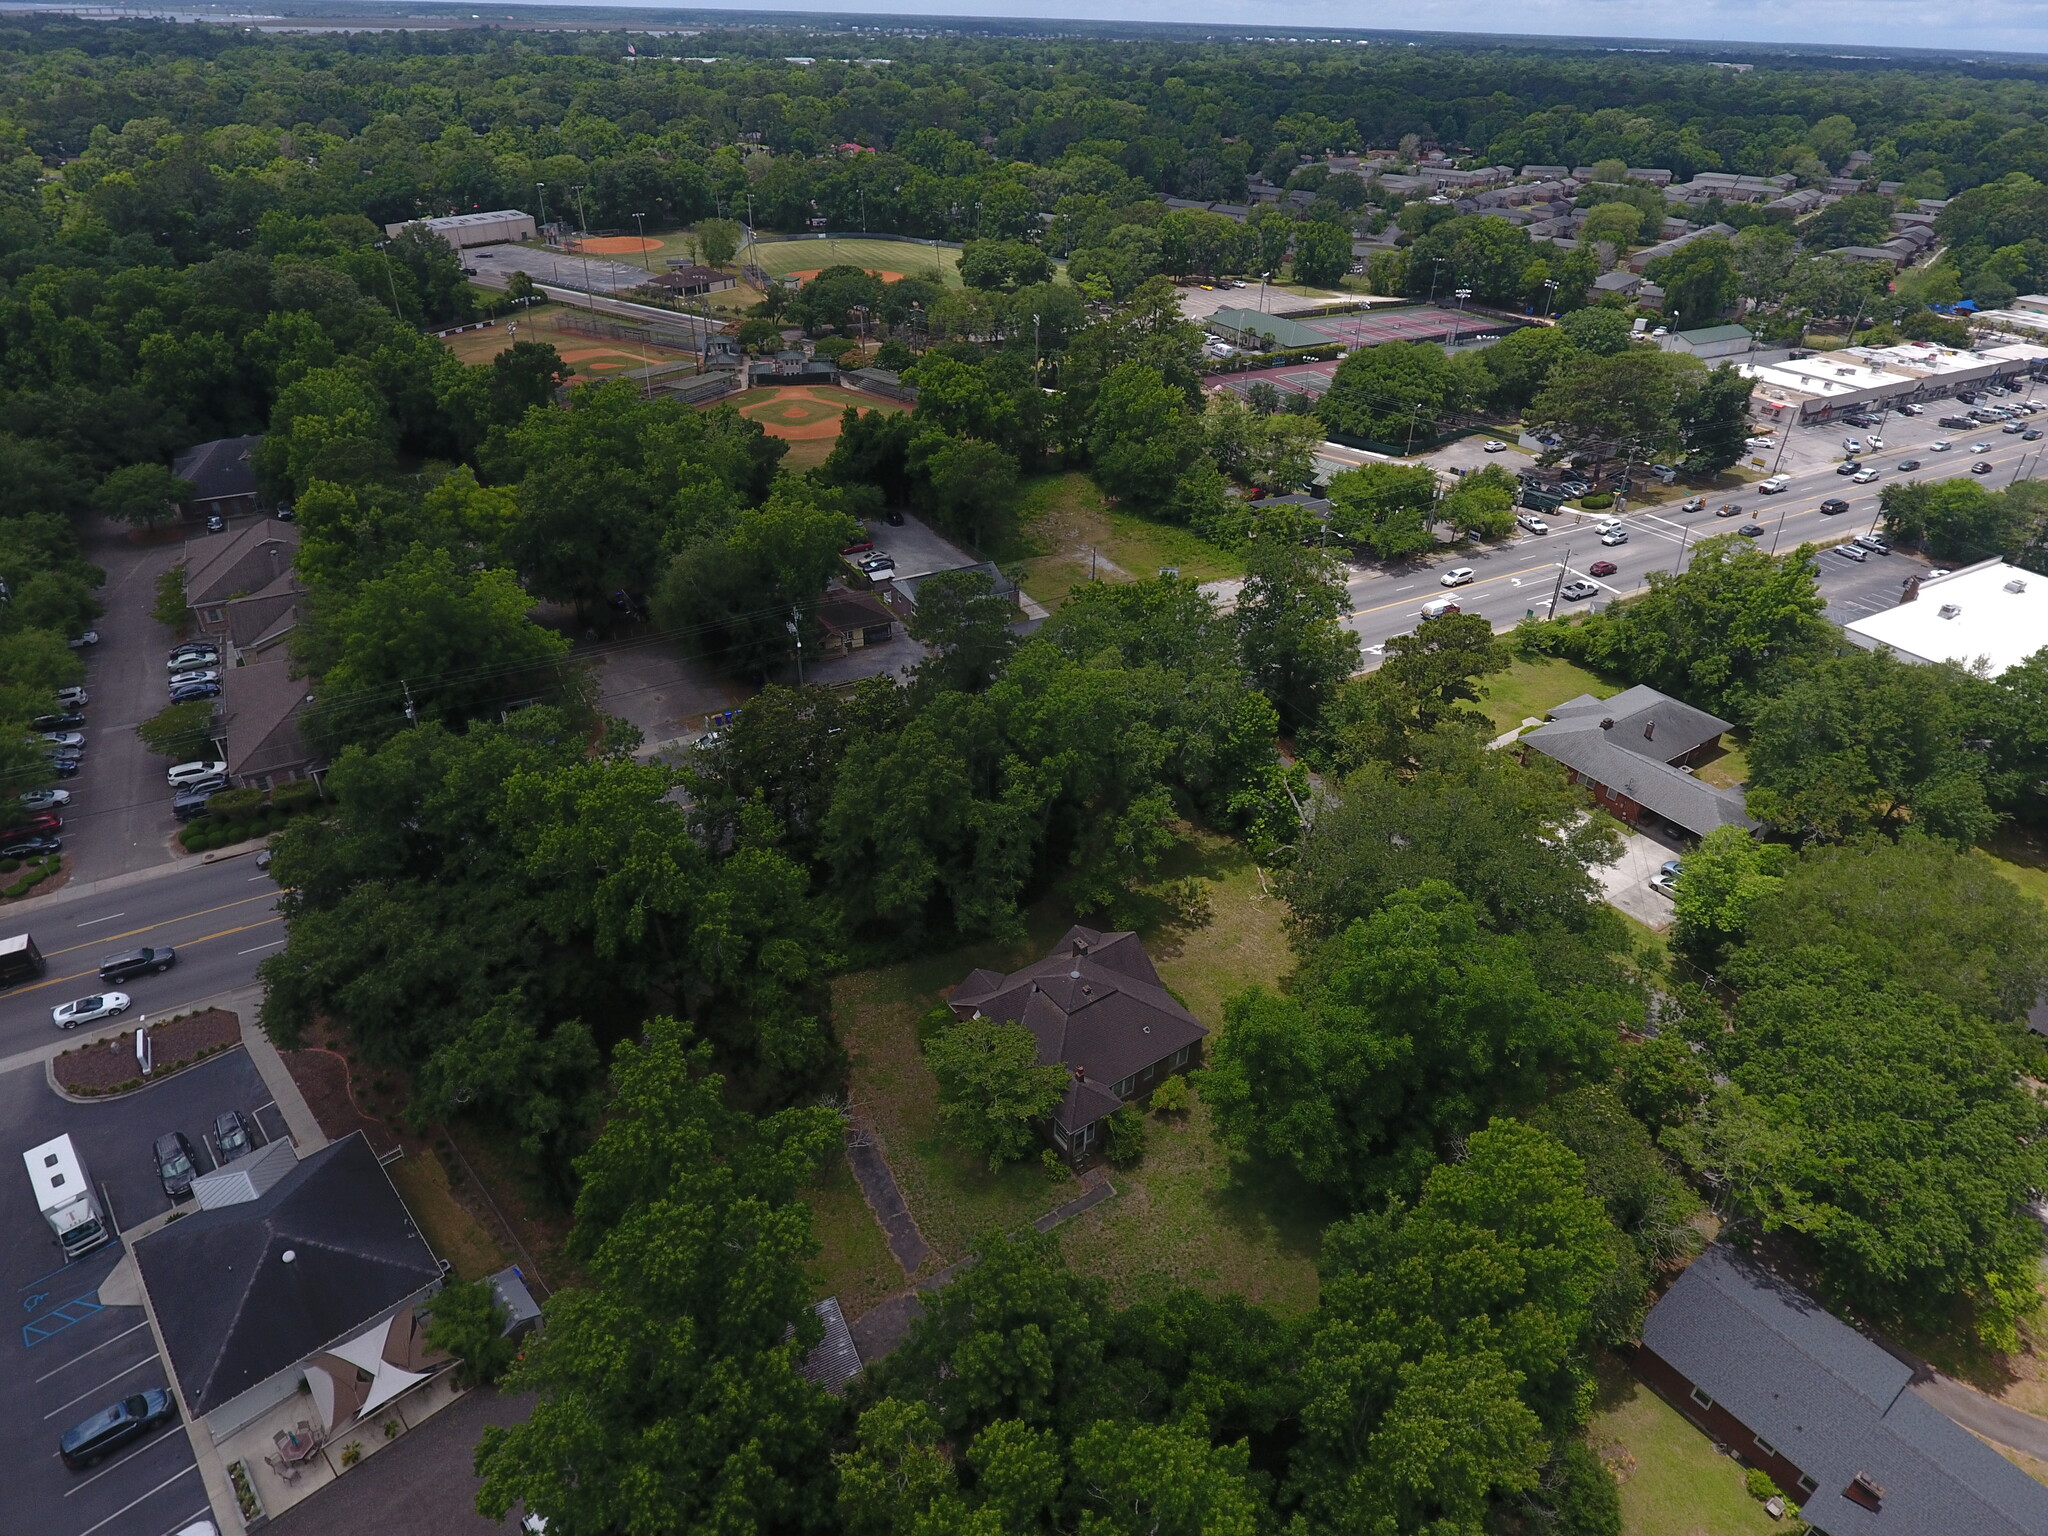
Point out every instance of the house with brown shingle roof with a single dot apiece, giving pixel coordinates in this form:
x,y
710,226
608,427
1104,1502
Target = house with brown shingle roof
x,y
1096,1006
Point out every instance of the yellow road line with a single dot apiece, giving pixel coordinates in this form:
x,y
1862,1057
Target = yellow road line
x,y
104,940
225,933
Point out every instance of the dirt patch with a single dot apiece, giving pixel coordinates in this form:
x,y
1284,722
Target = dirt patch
x,y
104,1070
618,245
323,1077
44,886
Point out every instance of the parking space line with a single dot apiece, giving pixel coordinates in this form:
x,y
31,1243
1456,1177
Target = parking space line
x,y
196,1515
148,1359
189,1468
117,1338
34,1333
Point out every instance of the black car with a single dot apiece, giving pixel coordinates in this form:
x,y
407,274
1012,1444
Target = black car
x,y
111,1428
231,1135
192,802
1906,464
186,693
30,847
893,517
1981,467
1847,467
1833,505
131,963
64,767
57,722
1966,397
175,1164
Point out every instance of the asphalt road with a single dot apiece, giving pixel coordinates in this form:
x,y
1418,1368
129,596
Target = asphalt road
x,y
1516,578
221,918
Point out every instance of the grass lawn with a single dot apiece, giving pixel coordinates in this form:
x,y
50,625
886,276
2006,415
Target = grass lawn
x,y
891,258
449,1229
1534,687
1672,1483
1063,519
855,1263
1183,1216
1729,766
2022,857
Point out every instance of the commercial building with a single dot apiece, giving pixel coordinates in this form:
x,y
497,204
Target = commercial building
x,y
1817,388
1824,1412
1991,615
463,230
1712,341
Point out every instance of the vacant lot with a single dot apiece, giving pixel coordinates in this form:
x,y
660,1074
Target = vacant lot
x,y
1068,533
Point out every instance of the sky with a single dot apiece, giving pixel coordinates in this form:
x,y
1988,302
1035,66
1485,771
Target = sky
x,y
1994,25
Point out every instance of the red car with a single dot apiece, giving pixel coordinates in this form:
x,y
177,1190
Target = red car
x,y
42,821
1602,567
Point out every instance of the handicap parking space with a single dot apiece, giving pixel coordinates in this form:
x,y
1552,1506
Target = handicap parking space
x,y
78,1344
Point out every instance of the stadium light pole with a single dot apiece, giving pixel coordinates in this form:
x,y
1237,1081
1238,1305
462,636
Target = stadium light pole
x,y
542,188
640,221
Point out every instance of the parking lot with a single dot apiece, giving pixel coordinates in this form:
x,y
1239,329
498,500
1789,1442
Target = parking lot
x,y
77,1351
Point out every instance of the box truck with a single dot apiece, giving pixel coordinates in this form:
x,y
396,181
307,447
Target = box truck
x,y
20,960
65,1196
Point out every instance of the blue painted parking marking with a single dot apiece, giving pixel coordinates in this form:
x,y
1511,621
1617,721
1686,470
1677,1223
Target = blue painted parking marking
x,y
58,1318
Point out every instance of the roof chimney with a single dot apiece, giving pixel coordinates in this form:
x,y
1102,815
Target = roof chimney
x,y
1607,724
1649,730
1864,1489
1080,1074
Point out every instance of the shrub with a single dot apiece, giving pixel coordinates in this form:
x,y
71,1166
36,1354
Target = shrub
x,y
1598,501
1172,1097
181,732
298,795
934,1023
1759,1484
9,866
234,804
1125,1133
468,1322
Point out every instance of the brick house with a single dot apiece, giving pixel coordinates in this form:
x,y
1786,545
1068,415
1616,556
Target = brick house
x,y
1634,753
1828,1415
1096,1006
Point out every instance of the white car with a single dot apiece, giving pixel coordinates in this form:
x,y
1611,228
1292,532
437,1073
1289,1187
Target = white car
x,y
1863,477
1606,523
1437,607
1939,445
1876,442
45,799
1457,576
197,656
102,1005
1495,445
73,698
195,675
190,773
1980,447
64,738
1760,442
1614,536
1852,446
1774,485
90,637
1530,523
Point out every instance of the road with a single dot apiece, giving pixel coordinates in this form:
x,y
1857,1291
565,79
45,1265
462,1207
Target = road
x,y
222,919
1516,578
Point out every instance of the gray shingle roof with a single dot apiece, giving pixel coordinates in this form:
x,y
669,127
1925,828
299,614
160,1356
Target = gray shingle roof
x,y
220,469
1835,1405
1633,754
1095,1004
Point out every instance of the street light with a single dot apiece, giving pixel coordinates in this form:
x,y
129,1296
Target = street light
x,y
1549,295
640,221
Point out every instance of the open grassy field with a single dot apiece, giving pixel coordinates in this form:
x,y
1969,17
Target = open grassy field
x,y
891,258
806,416
1672,1483
591,357
1063,521
2022,857
1184,1216
1531,688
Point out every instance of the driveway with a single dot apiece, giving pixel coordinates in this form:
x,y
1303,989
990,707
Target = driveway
x,y
650,684
1626,882
425,1485
75,1352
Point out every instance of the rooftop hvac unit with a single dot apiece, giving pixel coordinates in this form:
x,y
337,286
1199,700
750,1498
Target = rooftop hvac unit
x,y
2016,585
1951,610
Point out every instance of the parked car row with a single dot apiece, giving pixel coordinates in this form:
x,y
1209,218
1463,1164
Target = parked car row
x,y
195,672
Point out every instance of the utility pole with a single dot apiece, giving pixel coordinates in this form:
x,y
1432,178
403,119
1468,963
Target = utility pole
x,y
542,188
1557,591
411,714
795,617
1034,349
647,261
1411,429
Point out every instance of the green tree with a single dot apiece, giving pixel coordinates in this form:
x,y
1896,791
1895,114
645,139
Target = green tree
x,y
719,240
1483,505
1289,635
1955,519
1163,1480
967,625
968,486
896,1472
1322,253
668,1382
1866,742
1003,264
182,732
467,1321
1392,393
1699,279
1724,882
1141,437
1417,689
1402,1034
1387,510
1620,224
143,494
992,1090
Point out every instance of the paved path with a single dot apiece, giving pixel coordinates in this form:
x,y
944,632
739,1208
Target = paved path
x,y
1987,1416
878,1184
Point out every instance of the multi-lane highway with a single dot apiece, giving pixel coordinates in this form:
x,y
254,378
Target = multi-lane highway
x,y
1517,578
221,918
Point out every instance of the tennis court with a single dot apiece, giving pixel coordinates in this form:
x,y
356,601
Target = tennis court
x,y
1419,324
1311,379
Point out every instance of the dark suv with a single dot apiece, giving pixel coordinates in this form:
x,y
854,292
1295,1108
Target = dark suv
x,y
231,1135
135,962
111,1428
191,801
175,1165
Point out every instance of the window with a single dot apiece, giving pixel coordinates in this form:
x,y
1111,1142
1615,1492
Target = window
x,y
1765,1446
1123,1089
1180,1057
1701,1398
1807,1485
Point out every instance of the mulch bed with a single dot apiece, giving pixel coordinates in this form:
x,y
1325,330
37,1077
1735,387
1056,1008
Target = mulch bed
x,y
323,1077
101,1069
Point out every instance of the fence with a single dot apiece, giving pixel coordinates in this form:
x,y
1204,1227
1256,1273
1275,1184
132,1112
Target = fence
x,y
584,324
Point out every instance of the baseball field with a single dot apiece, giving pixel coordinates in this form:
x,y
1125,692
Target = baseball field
x,y
592,357
806,416
890,258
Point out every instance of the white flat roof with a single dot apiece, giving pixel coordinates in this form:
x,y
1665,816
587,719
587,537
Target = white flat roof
x,y
1824,376
1989,623
1922,357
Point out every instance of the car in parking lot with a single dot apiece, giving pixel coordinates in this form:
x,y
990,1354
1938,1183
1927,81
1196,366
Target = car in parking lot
x,y
859,546
131,963
89,1010
1614,536
1751,530
1981,467
186,773
191,802
1494,445
73,698
1876,442
874,564
1851,552
90,637
110,1429
231,1135
42,821
1531,523
187,693
1863,477
198,654
1912,410
15,846
176,1166
1852,446
194,675
1602,568
215,523
63,738
1456,576
1664,884
1873,542
64,767
64,722
1906,464
1575,591
45,799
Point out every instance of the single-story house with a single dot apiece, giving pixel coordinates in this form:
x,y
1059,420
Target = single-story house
x,y
1095,1006
313,1278
1827,1414
222,474
1633,752
692,281
262,707
853,620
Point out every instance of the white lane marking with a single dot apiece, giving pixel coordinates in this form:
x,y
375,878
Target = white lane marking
x,y
107,919
271,945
